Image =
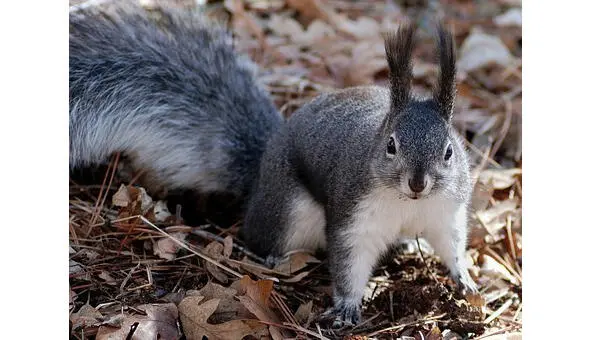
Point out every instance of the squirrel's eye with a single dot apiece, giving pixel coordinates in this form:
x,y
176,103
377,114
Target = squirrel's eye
x,y
391,146
448,153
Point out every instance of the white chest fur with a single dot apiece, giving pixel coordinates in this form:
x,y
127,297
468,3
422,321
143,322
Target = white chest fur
x,y
382,217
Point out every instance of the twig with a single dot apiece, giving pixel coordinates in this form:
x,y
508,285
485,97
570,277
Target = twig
x,y
183,245
304,330
103,193
284,309
401,326
500,331
510,238
504,128
500,260
499,311
425,262
214,237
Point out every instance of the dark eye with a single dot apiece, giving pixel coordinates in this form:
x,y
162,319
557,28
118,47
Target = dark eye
x,y
448,153
391,146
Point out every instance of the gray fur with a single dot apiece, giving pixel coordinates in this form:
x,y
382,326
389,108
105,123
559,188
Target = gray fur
x,y
334,148
171,95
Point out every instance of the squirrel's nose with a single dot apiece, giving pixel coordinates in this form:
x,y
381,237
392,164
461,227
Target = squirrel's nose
x,y
417,184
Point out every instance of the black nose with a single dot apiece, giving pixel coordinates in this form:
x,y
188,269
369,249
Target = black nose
x,y
417,184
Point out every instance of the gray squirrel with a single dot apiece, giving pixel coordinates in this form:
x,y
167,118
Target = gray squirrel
x,y
356,170
171,94
351,171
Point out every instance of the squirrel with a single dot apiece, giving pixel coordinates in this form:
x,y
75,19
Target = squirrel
x,y
357,170
353,171
171,95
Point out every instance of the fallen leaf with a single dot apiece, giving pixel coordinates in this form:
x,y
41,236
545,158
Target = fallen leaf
x,y
73,297
314,9
166,248
260,290
295,262
510,18
228,308
506,336
499,179
361,28
480,50
284,25
228,244
194,320
255,298
491,267
434,334
304,312
495,218
215,251
122,198
161,212
107,277
86,316
158,323
296,278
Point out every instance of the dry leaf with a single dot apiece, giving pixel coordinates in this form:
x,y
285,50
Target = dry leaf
x,y
107,277
314,9
122,198
304,312
194,320
256,300
362,28
506,336
166,248
499,178
158,323
295,262
284,25
510,18
161,212
480,50
215,251
434,334
85,317
259,291
495,218
491,267
228,245
228,308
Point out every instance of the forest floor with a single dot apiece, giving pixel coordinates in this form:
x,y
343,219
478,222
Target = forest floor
x,y
137,271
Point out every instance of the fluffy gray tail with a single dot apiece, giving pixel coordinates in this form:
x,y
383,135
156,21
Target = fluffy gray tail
x,y
172,96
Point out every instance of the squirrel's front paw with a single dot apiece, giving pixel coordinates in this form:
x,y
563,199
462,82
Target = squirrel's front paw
x,y
344,314
466,284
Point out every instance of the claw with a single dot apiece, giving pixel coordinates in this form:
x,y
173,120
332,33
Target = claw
x,y
344,314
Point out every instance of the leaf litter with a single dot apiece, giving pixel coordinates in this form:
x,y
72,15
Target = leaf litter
x,y
139,271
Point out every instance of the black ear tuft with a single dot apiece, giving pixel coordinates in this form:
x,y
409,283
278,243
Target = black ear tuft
x,y
446,88
399,47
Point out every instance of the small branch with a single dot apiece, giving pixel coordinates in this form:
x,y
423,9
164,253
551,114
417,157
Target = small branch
x,y
183,245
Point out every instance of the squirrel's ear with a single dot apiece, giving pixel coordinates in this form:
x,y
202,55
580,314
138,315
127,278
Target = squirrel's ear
x,y
446,87
399,47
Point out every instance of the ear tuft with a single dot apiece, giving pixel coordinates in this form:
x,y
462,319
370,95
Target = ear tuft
x,y
399,47
445,92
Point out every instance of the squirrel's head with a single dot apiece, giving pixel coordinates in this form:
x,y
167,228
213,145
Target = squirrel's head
x,y
415,151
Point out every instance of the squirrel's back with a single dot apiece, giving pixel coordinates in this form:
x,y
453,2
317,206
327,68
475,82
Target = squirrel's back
x,y
171,95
